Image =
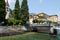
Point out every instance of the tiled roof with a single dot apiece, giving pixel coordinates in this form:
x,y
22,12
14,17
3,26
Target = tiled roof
x,y
45,15
53,15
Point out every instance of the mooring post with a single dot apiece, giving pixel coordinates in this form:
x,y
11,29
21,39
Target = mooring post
x,y
55,31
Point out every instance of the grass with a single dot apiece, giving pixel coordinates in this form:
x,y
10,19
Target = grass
x,y
28,36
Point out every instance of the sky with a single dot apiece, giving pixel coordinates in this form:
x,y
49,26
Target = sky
x,y
50,7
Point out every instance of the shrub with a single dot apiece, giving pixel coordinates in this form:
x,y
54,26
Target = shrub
x,y
16,22
49,22
38,21
35,21
55,23
41,21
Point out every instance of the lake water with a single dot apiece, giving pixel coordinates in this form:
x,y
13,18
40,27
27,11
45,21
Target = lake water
x,y
55,37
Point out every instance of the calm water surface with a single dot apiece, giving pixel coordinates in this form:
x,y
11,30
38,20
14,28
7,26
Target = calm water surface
x,y
55,37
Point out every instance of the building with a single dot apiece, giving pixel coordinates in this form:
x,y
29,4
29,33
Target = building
x,y
58,22
43,16
42,27
53,18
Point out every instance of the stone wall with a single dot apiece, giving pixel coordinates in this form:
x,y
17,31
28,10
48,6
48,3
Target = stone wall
x,y
41,27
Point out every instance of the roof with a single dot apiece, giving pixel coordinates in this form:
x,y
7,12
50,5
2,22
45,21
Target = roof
x,y
42,13
53,15
42,17
45,15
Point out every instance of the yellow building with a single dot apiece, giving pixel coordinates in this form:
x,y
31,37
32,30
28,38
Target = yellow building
x,y
43,16
53,18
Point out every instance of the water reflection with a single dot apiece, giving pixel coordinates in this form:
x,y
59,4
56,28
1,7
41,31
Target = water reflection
x,y
57,37
53,38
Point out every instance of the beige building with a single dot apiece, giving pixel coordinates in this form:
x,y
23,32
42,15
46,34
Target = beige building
x,y
43,16
59,22
53,18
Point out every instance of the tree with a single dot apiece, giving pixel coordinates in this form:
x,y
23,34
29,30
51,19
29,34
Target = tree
x,y
35,21
16,22
41,21
24,11
49,22
38,21
11,14
55,23
2,10
17,10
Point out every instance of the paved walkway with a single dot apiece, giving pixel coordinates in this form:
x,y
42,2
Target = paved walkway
x,y
3,29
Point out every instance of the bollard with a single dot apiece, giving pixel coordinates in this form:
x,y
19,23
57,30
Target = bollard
x,y
55,32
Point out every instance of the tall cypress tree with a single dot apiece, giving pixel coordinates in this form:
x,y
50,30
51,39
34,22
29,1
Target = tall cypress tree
x,y
24,11
17,10
2,10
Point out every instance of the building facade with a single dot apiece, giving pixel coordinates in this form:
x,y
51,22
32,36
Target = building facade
x,y
53,18
43,16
